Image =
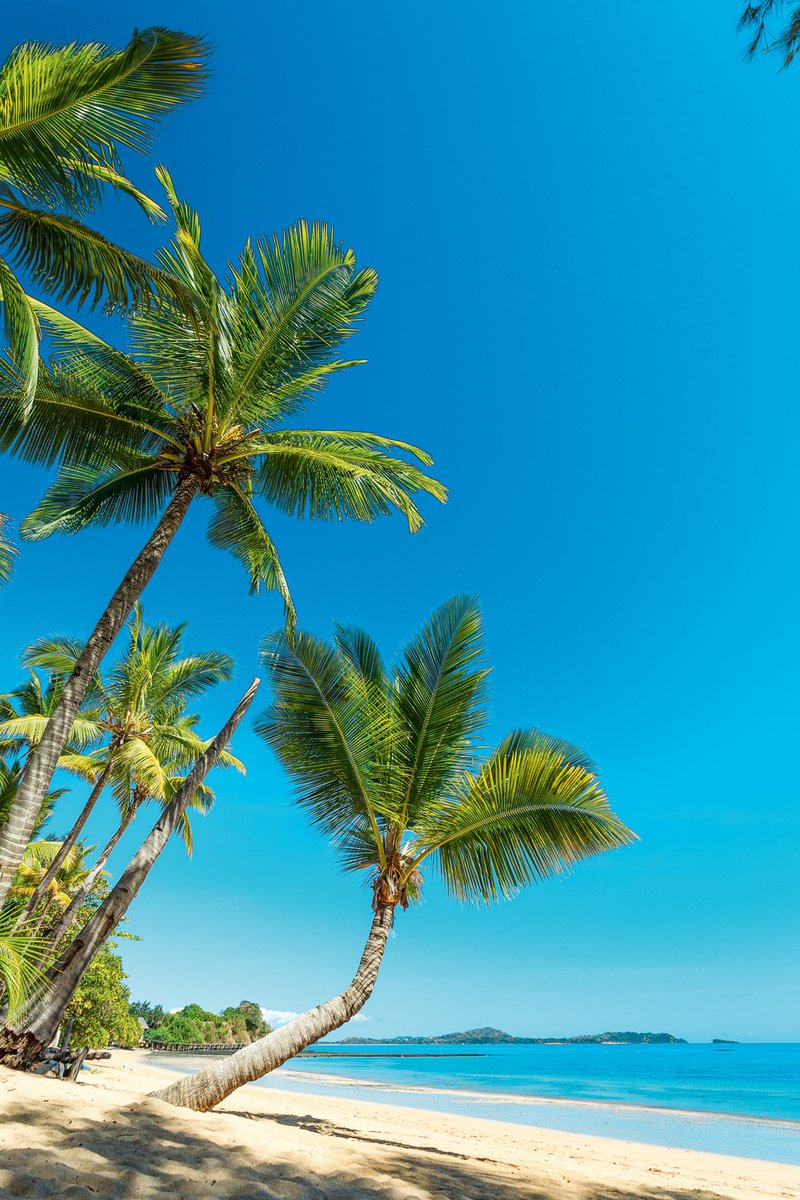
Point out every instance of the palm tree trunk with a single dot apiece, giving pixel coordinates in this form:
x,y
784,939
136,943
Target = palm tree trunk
x,y
16,831
66,846
207,1088
22,1042
67,918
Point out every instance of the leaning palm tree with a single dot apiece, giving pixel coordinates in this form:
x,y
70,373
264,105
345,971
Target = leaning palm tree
x,y
388,766
66,112
199,411
139,710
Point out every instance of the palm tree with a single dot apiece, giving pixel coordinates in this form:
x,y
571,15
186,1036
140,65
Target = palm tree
x,y
140,709
388,766
65,114
198,411
22,1040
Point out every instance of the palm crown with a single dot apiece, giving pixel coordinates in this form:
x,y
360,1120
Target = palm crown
x,y
389,766
204,398
65,113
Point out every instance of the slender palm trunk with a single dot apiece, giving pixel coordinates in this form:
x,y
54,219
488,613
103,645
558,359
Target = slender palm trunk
x,y
207,1088
16,831
22,1042
67,918
66,846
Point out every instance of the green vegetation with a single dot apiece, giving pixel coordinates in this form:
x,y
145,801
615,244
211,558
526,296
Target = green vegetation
x,y
99,1007
67,112
194,1025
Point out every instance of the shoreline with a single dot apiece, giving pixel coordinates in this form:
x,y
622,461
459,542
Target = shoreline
x,y
498,1097
106,1137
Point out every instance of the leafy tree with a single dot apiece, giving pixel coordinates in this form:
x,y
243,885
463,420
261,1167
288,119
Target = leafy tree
x,y
389,768
99,1007
151,1014
193,1025
66,112
199,411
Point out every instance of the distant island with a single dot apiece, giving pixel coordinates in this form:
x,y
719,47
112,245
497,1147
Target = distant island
x,y
496,1037
723,1042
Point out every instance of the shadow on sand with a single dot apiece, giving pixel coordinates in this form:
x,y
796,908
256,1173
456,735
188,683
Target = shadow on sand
x,y
147,1154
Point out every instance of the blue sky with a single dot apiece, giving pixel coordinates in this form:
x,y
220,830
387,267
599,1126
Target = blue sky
x,y
584,220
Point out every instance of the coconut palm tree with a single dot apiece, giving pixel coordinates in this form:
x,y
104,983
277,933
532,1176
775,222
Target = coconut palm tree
x,y
22,1040
199,411
65,114
140,711
389,767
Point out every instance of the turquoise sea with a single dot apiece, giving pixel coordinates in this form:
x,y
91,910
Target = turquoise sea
x,y
734,1099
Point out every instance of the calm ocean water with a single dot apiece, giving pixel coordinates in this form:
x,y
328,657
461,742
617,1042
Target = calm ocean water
x,y
739,1099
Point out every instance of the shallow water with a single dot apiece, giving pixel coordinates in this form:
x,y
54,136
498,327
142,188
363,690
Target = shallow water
x,y
741,1099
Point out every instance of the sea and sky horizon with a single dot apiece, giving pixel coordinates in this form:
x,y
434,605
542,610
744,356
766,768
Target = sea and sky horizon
x,y
586,236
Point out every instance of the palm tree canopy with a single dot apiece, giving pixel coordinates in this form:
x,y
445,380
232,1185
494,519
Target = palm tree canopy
x,y
388,763
65,114
206,397
140,707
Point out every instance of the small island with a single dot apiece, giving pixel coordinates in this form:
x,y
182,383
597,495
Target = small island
x,y
487,1036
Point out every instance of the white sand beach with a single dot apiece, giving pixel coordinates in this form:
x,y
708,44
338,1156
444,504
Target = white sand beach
x,y
103,1137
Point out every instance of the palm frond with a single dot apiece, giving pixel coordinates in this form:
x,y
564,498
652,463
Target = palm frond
x,y
77,264
21,976
319,729
440,700
529,814
21,331
79,497
341,476
8,551
82,102
237,528
295,298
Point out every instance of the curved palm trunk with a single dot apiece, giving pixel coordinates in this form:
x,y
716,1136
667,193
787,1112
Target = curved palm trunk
x,y
66,846
207,1088
67,918
15,833
22,1042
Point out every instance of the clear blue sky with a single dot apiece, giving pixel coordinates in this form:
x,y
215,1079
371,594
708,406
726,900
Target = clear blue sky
x,y
585,222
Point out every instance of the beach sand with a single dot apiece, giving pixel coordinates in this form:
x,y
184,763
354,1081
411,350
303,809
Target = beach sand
x,y
104,1138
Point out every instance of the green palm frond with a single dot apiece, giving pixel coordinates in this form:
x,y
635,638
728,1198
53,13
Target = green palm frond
x,y
21,976
294,299
8,551
81,102
529,814
77,264
318,726
137,759
342,476
440,699
237,528
82,496
21,329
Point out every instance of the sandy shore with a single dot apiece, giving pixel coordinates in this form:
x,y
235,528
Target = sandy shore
x,y
103,1137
